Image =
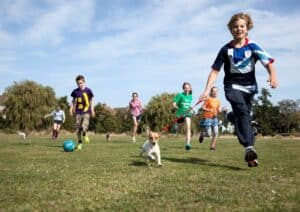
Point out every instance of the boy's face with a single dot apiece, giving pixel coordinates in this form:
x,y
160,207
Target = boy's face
x,y
239,29
80,84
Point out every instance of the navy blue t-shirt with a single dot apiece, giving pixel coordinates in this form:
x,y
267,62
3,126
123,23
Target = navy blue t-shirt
x,y
239,64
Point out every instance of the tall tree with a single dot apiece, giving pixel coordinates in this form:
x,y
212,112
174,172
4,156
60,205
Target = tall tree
x,y
105,120
265,113
159,111
26,103
124,120
289,114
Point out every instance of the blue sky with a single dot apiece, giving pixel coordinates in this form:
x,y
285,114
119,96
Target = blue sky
x,y
149,46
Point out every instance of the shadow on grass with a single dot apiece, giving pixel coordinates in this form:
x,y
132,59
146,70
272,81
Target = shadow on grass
x,y
186,160
202,162
138,163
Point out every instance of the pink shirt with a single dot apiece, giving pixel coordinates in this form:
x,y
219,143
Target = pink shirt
x,y
135,107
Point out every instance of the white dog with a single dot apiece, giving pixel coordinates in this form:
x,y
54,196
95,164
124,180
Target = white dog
x,y
22,135
151,148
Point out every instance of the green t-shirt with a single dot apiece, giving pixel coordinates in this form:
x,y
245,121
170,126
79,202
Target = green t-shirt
x,y
183,102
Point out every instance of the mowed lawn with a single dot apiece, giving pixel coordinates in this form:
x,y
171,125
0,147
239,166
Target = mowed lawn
x,y
36,174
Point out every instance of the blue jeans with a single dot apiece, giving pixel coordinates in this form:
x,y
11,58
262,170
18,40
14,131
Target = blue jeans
x,y
240,117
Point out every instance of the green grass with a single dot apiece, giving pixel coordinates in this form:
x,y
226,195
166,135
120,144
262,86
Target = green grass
x,y
37,175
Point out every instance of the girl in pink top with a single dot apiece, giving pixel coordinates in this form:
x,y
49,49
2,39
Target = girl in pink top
x,y
135,107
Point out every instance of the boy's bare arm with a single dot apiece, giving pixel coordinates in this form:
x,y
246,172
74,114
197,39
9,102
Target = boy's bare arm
x,y
71,110
210,82
272,75
92,107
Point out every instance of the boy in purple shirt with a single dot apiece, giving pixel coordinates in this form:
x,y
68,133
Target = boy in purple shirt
x,y
83,106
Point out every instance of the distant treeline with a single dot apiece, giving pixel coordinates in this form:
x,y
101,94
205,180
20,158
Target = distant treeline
x,y
25,103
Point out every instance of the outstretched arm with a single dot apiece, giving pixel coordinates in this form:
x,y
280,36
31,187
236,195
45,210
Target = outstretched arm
x,y
72,107
175,105
50,114
272,75
210,82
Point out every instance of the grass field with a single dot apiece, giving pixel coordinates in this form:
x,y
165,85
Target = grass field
x,y
37,175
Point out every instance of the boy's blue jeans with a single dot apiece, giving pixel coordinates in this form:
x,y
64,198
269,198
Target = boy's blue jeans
x,y
241,118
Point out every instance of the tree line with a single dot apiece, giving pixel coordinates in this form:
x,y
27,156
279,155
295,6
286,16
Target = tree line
x,y
26,102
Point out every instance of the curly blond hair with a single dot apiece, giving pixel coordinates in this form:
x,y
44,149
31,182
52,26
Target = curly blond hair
x,y
238,16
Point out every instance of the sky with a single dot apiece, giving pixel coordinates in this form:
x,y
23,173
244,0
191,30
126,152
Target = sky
x,y
144,46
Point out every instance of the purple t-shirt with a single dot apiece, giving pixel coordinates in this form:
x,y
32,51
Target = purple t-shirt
x,y
82,99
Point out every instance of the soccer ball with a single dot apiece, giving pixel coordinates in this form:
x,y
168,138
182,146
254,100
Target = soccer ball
x,y
188,146
69,146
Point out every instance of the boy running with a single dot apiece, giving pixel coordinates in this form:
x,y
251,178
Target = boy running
x,y
83,106
239,57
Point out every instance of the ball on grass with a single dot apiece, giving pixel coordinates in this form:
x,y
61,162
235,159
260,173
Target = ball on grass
x,y
69,146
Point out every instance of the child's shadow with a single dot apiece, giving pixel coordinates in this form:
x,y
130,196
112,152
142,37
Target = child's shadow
x,y
138,163
201,162
186,160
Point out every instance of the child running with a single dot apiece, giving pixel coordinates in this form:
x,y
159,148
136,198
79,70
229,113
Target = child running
x,y
210,123
83,106
182,102
239,57
58,118
136,108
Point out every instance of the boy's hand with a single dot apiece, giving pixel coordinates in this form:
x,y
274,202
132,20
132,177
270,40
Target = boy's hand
x,y
272,82
93,113
204,96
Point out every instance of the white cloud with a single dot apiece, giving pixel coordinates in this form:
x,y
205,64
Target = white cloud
x,y
126,47
53,25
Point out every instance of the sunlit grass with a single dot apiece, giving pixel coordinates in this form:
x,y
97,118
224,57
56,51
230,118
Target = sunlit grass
x,y
36,174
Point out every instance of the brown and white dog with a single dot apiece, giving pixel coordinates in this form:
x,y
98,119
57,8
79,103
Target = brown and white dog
x,y
151,147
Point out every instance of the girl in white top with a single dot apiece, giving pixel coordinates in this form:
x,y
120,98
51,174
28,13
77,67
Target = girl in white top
x,y
58,118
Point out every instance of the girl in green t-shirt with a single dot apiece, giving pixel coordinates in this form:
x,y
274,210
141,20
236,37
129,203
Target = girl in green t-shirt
x,y
182,102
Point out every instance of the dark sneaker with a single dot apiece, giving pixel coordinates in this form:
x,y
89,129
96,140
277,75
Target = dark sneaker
x,y
201,137
253,163
250,155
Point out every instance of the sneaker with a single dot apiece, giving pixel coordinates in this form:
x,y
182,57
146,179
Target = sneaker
x,y
201,137
86,139
188,146
253,163
133,140
250,155
79,147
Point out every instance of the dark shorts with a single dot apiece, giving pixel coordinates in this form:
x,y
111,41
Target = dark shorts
x,y
57,122
138,118
182,119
